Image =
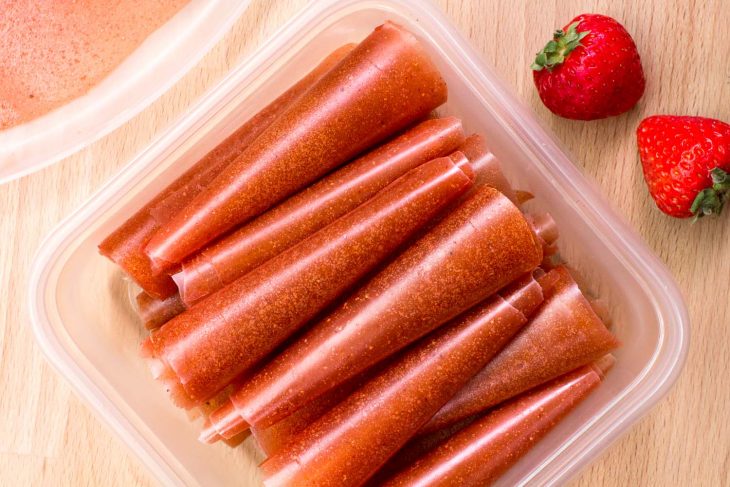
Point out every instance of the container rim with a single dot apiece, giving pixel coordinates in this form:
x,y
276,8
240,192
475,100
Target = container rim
x,y
71,142
666,364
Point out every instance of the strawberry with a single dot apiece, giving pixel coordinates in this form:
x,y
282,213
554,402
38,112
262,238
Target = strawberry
x,y
590,70
686,161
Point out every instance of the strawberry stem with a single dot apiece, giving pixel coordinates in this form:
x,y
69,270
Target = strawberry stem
x,y
710,201
557,50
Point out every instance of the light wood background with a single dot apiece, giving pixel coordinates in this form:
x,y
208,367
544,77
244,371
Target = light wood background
x,y
48,437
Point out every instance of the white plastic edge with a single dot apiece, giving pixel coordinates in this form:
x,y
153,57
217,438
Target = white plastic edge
x,y
44,156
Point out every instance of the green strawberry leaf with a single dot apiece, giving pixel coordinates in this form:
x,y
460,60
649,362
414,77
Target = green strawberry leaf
x,y
710,201
557,50
551,47
720,179
540,61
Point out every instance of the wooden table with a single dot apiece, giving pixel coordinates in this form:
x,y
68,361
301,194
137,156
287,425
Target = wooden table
x,y
48,437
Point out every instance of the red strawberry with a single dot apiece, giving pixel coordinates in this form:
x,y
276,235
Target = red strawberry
x,y
686,161
591,69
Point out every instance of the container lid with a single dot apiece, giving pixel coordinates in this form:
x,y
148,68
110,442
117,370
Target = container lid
x,y
158,63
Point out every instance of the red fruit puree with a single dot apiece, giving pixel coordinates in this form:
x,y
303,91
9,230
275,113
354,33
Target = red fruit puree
x,y
55,51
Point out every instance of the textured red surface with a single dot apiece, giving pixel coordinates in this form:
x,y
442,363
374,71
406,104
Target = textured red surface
x,y
349,443
525,295
564,334
479,248
53,52
385,84
231,330
315,207
125,246
480,453
601,78
274,438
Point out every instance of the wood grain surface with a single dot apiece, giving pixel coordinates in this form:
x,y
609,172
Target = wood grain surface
x,y
49,437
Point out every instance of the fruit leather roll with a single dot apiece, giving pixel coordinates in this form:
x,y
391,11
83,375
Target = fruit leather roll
x,y
156,312
488,172
231,330
385,84
219,158
563,335
479,454
545,228
487,168
204,410
272,439
524,295
349,443
125,246
480,247
315,207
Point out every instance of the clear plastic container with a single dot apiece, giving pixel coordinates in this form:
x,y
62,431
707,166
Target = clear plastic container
x,y
157,64
85,324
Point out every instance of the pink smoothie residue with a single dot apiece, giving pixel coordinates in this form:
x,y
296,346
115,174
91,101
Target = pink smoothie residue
x,y
54,51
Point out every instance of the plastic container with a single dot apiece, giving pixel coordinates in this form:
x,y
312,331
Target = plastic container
x,y
157,64
91,334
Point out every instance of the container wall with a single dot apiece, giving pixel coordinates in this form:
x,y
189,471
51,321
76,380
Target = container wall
x,y
91,333
147,73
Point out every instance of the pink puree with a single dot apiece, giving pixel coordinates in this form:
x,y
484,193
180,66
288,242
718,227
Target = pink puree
x,y
54,51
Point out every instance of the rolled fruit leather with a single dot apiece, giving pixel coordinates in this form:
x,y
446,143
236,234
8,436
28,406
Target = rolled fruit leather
x,y
563,335
486,166
417,447
211,405
479,454
488,172
524,295
156,312
315,207
272,439
308,211
480,247
125,246
177,393
349,443
231,330
236,143
384,85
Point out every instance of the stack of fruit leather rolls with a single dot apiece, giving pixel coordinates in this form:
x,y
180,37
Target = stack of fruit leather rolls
x,y
306,212
351,441
353,281
125,245
228,332
382,86
315,207
525,294
480,453
564,334
480,247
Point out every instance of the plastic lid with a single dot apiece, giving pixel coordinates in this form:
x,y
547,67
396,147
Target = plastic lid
x,y
158,63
